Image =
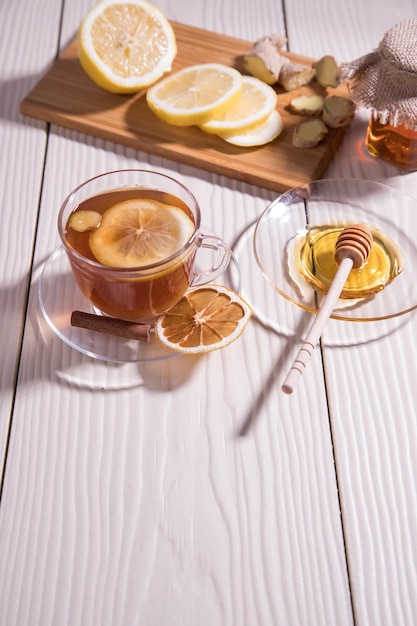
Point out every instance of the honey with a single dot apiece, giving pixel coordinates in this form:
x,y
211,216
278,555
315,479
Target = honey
x,y
385,82
397,145
317,265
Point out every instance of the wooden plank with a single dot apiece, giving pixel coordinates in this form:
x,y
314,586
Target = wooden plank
x,y
66,96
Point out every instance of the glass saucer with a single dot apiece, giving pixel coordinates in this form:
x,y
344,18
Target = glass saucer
x,y
279,315
59,296
389,213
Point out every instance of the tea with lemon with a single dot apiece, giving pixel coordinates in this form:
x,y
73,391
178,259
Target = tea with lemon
x,y
138,240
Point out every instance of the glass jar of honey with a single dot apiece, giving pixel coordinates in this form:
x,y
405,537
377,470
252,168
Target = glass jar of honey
x,y
395,144
385,81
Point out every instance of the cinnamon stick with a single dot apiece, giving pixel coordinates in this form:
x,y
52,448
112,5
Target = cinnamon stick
x,y
111,326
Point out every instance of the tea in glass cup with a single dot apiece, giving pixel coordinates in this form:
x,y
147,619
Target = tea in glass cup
x,y
132,238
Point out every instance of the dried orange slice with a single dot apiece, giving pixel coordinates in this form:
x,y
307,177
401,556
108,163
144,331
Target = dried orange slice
x,y
138,232
126,45
206,318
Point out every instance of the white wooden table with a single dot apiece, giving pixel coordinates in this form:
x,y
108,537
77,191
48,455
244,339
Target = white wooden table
x,y
193,491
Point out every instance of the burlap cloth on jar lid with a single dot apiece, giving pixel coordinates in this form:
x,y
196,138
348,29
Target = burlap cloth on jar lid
x,y
385,80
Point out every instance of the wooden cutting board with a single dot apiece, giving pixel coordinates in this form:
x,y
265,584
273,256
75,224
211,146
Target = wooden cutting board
x,y
66,96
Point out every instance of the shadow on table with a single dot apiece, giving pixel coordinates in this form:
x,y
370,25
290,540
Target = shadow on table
x,y
347,335
275,376
52,351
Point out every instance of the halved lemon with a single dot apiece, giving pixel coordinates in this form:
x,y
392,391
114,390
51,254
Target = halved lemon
x,y
195,94
137,232
256,102
206,318
126,45
258,135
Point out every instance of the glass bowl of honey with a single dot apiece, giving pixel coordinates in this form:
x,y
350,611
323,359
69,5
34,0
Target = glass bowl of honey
x,y
294,241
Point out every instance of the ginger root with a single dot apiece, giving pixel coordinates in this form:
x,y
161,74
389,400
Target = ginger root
x,y
327,71
264,60
338,111
308,133
307,104
294,75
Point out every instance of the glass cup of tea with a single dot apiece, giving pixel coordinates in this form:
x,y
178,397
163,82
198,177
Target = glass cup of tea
x,y
133,238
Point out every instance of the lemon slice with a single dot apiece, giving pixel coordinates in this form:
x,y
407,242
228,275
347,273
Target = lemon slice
x,y
126,45
205,319
195,94
256,102
257,135
139,232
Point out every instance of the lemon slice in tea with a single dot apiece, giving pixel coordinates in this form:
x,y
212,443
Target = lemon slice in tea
x,y
206,318
126,45
140,232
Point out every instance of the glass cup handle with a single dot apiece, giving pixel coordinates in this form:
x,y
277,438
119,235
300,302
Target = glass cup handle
x,y
222,259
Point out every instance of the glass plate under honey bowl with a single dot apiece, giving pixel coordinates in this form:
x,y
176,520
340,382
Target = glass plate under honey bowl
x,y
294,242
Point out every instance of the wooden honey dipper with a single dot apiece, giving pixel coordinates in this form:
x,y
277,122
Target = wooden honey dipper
x,y
352,249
